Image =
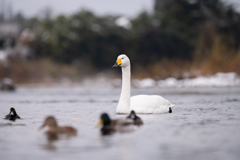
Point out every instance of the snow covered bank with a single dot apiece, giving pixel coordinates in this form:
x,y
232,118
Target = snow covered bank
x,y
217,80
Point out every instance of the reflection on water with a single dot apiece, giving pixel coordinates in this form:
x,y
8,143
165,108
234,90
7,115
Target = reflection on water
x,y
51,137
50,145
10,124
204,125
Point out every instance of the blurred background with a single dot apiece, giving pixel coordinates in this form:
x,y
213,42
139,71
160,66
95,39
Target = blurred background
x,y
50,40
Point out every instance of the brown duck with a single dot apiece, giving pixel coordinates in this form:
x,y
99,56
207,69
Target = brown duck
x,y
54,130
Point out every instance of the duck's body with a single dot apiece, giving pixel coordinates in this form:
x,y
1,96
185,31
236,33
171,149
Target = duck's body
x,y
54,130
141,103
137,120
12,115
110,126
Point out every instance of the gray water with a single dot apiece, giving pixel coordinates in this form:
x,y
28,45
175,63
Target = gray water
x,y
205,124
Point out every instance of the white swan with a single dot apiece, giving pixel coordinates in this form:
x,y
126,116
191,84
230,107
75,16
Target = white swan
x,y
140,103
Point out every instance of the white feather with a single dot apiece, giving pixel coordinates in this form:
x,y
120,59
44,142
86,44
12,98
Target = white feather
x,y
149,104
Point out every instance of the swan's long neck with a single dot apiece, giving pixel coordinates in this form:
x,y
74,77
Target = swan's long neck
x,y
124,101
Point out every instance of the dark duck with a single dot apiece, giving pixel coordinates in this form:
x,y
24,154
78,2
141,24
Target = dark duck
x,y
12,115
7,85
137,120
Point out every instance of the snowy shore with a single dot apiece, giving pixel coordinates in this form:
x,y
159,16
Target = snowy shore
x,y
217,80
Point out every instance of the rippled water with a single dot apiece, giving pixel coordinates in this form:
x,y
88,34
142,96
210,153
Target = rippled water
x,y
205,124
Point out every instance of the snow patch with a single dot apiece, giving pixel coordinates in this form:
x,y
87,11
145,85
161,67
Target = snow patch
x,y
145,83
217,80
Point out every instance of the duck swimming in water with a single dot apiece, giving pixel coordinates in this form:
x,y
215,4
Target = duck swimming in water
x,y
137,120
12,115
54,130
110,126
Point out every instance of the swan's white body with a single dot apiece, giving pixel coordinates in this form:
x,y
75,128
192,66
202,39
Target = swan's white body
x,y
149,104
141,103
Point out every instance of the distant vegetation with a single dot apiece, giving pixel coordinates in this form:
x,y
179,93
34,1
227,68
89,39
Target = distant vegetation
x,y
180,36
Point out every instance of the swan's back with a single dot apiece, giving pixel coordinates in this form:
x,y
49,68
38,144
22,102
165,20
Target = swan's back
x,y
150,104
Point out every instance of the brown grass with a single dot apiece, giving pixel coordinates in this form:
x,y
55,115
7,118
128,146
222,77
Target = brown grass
x,y
39,71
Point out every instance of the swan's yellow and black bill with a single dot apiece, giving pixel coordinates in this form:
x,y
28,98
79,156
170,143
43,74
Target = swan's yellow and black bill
x,y
118,63
100,122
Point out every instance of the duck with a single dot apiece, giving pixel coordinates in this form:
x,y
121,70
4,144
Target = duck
x,y
12,115
54,130
7,84
137,120
145,104
110,126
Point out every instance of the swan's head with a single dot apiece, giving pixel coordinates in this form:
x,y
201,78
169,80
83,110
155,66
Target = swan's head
x,y
122,61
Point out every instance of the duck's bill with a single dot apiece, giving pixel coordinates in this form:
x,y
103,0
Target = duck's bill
x,y
100,123
41,127
116,65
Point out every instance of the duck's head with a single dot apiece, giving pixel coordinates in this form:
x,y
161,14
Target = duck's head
x,y
104,120
122,61
132,115
12,111
49,121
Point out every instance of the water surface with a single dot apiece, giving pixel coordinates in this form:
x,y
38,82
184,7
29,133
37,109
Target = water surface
x,y
205,124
